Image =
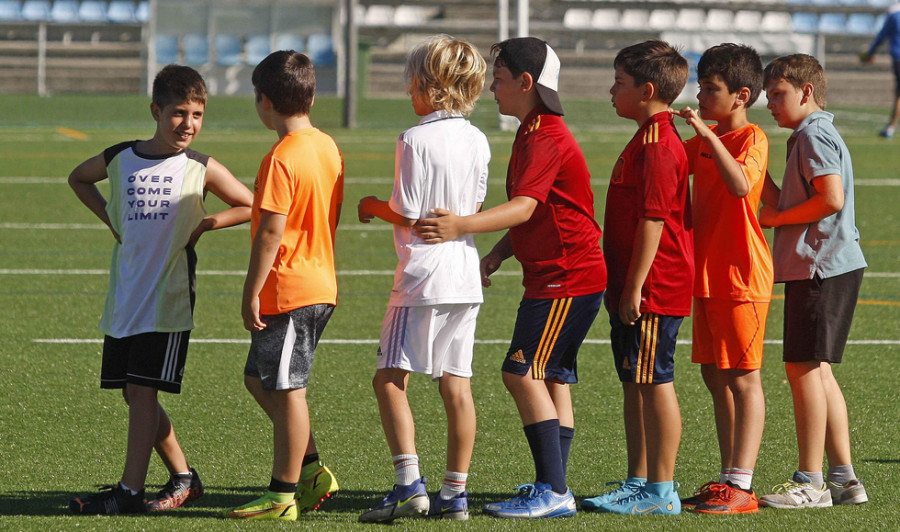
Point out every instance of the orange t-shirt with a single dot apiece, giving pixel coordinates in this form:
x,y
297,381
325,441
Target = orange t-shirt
x,y
303,179
731,256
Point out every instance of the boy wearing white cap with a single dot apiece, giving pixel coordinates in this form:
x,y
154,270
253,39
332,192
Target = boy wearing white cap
x,y
553,233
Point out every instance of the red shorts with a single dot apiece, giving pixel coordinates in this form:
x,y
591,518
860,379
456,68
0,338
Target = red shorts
x,y
729,333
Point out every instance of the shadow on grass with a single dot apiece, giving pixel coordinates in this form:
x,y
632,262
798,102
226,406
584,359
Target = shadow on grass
x,y
213,504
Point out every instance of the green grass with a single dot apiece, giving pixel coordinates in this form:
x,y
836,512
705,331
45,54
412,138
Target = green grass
x,y
61,436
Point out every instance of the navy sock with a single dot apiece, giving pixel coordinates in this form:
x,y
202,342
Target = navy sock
x,y
310,459
543,438
566,435
279,486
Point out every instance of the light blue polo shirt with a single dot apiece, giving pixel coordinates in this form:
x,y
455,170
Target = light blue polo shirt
x,y
830,246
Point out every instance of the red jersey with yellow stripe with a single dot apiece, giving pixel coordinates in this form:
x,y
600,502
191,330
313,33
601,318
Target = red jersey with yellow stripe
x,y
732,257
559,247
650,180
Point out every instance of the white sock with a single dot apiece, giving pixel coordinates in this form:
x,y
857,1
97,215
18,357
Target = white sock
x,y
406,468
723,476
126,488
454,484
742,478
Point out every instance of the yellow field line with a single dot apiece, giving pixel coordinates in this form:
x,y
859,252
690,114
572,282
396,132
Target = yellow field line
x,y
72,133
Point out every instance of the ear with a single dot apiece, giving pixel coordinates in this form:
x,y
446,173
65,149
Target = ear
x,y
526,81
648,91
313,101
808,89
265,101
742,97
155,111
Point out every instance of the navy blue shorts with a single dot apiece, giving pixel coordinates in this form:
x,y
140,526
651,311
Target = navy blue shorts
x,y
645,352
548,334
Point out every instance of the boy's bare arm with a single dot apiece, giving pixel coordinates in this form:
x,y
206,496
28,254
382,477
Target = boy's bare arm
x,y
646,243
448,226
371,207
226,187
83,181
262,256
729,169
491,262
771,194
828,199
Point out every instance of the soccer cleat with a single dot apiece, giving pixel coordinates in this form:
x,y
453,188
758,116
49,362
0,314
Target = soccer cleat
x,y
625,488
456,508
703,494
537,501
643,503
402,501
887,132
728,499
312,492
175,494
111,500
265,508
797,493
852,492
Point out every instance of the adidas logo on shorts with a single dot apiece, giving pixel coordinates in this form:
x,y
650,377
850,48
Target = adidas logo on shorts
x,y
518,357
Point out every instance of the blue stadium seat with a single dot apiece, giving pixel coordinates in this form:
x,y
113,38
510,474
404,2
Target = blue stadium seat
x,y
92,11
257,48
805,22
142,12
196,49
121,11
166,49
287,41
861,24
36,10
65,11
10,10
832,23
320,49
228,49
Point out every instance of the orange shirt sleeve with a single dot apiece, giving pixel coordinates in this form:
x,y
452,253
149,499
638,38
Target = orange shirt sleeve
x,y
277,190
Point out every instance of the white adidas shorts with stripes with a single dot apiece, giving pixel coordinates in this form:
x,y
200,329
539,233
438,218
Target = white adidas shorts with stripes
x,y
433,340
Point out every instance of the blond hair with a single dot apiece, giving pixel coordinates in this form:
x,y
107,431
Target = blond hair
x,y
798,70
447,72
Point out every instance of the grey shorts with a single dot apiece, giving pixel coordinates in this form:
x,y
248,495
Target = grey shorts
x,y
817,316
281,355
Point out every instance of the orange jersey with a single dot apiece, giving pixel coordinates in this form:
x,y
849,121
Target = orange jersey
x,y
303,179
731,256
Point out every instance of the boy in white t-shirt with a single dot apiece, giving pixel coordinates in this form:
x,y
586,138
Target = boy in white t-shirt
x,y
429,326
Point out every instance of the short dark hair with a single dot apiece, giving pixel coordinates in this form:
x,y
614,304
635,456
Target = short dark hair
x,y
738,65
798,70
288,80
178,84
655,62
521,54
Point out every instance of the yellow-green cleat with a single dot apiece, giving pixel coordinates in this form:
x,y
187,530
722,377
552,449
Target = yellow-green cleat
x,y
315,488
268,506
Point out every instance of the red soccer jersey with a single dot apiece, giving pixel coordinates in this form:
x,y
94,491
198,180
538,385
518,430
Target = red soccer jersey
x,y
559,247
650,180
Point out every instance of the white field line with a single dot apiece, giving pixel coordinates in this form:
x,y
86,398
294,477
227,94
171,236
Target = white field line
x,y
226,273
102,227
374,341
385,180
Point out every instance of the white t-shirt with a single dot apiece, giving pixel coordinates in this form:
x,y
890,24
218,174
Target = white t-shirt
x,y
440,163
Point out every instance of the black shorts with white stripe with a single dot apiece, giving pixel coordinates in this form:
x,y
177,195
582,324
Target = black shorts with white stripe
x,y
154,359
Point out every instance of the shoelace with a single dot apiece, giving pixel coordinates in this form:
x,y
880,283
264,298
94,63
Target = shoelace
x,y
527,491
632,498
790,486
704,488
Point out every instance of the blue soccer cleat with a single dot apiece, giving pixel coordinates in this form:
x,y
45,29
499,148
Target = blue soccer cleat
x,y
536,501
644,502
402,501
456,508
626,488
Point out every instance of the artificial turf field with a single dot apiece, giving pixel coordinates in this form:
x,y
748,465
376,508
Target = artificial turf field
x,y
61,436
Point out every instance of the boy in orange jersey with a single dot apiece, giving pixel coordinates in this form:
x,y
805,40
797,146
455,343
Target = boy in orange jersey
x,y
291,286
733,281
649,256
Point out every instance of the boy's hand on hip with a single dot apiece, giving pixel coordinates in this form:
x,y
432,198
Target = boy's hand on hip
x,y
250,314
444,227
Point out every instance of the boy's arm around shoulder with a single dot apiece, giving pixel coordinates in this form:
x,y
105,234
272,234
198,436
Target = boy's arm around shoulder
x,y
226,187
827,200
449,226
83,180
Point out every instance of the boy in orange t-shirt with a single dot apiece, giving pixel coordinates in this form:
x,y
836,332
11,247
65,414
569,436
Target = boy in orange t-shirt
x,y
733,280
291,287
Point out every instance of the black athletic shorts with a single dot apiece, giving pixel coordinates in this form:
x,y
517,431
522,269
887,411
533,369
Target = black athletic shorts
x,y
817,316
151,359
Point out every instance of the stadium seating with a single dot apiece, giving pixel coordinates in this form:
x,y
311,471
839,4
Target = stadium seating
x,y
578,18
408,15
36,10
196,49
287,41
142,12
121,11
166,47
64,11
228,49
10,10
777,22
257,48
605,19
662,19
861,24
690,19
719,20
634,19
805,22
747,20
379,15
320,49
833,23
92,11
